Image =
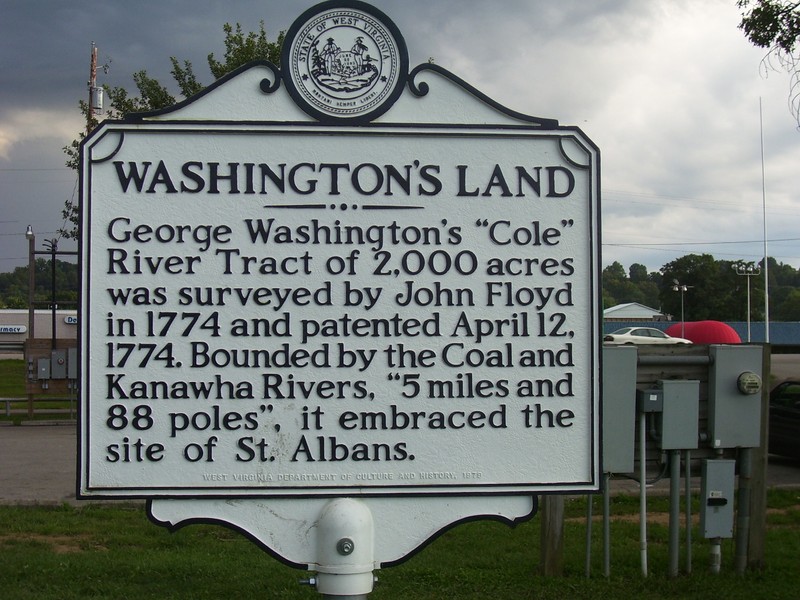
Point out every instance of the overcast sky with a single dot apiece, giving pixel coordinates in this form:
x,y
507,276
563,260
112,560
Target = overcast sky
x,y
669,91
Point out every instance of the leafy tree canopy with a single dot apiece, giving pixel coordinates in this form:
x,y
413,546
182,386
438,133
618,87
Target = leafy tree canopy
x,y
710,289
771,23
775,24
14,285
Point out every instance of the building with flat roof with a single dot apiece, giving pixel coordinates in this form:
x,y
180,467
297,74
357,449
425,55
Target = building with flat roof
x,y
14,328
633,311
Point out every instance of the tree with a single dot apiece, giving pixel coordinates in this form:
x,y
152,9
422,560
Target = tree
x,y
638,273
781,274
788,308
14,285
784,298
618,288
240,49
775,24
704,285
713,289
614,283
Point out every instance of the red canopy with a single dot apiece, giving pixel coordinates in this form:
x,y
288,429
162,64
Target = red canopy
x,y
706,332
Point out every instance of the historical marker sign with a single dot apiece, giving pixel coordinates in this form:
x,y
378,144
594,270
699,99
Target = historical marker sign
x,y
313,307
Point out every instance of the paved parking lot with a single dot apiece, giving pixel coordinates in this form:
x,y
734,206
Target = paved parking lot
x,y
784,366
37,464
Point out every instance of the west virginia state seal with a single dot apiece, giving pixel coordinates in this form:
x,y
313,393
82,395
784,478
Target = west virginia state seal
x,y
344,61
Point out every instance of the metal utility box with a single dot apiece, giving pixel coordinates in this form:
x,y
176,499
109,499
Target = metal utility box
x,y
650,400
72,363
716,498
58,364
734,398
619,408
43,368
680,415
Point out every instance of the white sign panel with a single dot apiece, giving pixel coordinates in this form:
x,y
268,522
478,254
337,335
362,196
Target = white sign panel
x,y
279,311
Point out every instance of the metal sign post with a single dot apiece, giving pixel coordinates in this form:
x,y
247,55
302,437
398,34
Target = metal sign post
x,y
362,293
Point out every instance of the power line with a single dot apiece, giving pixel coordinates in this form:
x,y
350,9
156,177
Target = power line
x,y
659,199
642,244
23,233
32,169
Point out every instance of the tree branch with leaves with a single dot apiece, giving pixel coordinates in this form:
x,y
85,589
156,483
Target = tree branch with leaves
x,y
775,24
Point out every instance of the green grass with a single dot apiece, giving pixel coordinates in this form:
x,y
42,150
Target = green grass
x,y
12,385
12,378
113,551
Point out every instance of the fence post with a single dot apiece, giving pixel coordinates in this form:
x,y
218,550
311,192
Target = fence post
x,y
552,536
758,496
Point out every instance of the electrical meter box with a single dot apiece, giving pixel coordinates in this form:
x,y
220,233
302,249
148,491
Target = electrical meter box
x,y
680,414
716,498
619,408
58,364
734,396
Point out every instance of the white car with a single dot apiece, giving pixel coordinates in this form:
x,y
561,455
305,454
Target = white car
x,y
641,335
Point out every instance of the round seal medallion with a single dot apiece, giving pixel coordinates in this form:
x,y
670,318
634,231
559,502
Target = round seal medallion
x,y
344,61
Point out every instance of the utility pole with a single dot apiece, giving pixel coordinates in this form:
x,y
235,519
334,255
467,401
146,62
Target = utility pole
x,y
92,87
52,247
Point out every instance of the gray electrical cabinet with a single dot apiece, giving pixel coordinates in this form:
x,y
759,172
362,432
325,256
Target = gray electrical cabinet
x,y
72,363
58,364
680,414
43,368
716,498
734,398
619,408
650,400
